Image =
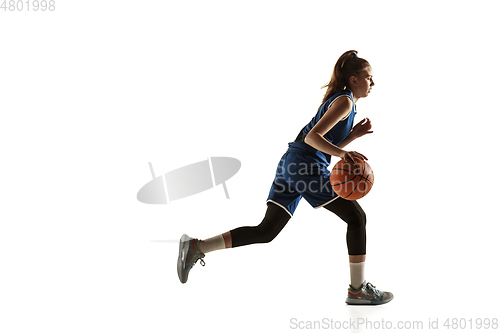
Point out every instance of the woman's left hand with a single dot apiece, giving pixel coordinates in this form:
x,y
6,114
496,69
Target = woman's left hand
x,y
362,128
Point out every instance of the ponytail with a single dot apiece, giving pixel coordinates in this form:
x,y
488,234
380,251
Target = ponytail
x,y
349,64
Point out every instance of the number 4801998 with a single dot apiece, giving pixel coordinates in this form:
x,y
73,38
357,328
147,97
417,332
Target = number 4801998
x,y
28,5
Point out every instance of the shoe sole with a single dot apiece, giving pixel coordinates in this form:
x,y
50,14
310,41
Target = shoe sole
x,y
183,250
367,302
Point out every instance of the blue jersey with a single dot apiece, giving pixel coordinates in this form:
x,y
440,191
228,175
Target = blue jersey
x,y
302,171
335,135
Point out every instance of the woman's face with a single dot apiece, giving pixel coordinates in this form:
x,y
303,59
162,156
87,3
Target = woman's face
x,y
362,83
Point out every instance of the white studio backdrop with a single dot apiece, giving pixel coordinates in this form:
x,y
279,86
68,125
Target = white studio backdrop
x,y
92,91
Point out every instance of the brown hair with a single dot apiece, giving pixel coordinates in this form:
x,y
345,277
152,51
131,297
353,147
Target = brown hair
x,y
348,65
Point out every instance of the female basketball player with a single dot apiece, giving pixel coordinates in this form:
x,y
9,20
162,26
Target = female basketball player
x,y
302,172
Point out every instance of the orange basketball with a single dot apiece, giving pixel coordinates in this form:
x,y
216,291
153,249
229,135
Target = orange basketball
x,y
352,181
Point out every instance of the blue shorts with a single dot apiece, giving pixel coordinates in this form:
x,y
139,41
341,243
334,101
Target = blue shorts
x,y
301,175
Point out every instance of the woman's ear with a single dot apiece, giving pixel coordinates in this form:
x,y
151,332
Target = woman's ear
x,y
353,81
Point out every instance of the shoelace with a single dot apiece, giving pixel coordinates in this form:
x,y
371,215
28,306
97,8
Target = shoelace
x,y
374,289
202,262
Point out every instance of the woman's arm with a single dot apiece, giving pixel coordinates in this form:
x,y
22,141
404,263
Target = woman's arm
x,y
361,128
315,138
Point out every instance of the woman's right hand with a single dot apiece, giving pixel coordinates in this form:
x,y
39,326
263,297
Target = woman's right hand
x,y
352,155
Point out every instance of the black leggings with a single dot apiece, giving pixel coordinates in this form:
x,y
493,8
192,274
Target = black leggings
x,y
276,218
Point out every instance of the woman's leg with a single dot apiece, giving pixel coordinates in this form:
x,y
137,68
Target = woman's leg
x,y
191,250
352,213
274,221
360,292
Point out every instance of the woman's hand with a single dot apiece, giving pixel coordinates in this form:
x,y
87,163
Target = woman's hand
x,y
362,128
351,156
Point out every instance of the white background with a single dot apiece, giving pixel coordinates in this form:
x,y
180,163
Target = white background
x,y
93,91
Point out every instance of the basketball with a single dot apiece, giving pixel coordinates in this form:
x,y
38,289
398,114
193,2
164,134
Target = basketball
x,y
352,181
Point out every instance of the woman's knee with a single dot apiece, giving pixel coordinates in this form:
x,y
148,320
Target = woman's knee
x,y
274,221
357,219
266,232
